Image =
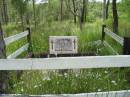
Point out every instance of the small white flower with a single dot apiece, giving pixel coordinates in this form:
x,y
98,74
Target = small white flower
x,y
114,82
35,86
46,78
57,82
65,74
99,90
106,72
76,75
21,89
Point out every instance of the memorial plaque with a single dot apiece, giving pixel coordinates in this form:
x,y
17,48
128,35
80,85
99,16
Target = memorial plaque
x,y
63,44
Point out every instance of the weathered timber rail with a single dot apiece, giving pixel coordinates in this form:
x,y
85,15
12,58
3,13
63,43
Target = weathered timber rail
x,y
8,40
124,42
65,63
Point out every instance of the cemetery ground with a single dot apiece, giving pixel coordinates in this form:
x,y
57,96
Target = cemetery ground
x,y
67,81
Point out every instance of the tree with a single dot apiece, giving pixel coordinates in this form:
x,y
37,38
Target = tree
x,y
83,12
115,17
104,10
21,7
74,7
79,10
61,10
107,8
34,12
3,74
4,11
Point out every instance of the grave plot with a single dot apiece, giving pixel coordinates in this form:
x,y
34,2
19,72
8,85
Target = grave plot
x,y
92,76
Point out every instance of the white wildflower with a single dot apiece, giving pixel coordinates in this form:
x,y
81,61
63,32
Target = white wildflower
x,y
35,86
57,82
46,78
114,82
65,74
21,89
76,75
99,90
106,72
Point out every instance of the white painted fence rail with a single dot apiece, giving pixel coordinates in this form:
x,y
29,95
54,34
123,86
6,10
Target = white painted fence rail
x,y
65,63
16,37
110,48
124,93
18,52
114,36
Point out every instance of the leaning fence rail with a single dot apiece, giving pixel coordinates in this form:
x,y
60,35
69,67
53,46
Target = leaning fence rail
x,y
16,37
18,52
119,39
124,42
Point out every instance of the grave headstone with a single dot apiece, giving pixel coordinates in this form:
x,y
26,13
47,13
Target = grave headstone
x,y
63,44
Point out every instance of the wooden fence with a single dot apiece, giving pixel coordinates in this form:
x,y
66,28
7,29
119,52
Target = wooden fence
x,y
8,40
69,63
63,63
124,42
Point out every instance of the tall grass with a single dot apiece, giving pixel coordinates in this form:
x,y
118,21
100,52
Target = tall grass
x,y
83,81
46,82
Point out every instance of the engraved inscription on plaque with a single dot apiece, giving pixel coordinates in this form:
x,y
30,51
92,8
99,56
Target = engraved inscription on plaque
x,y
63,44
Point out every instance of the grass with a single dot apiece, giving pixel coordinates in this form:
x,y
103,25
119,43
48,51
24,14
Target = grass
x,y
80,81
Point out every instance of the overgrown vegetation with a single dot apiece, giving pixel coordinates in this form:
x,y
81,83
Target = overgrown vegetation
x,y
73,81
81,18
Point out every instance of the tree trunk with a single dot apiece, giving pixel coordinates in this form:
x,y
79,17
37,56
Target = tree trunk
x,y
86,10
22,21
115,17
107,8
2,15
74,11
3,74
5,11
83,11
104,10
34,13
61,10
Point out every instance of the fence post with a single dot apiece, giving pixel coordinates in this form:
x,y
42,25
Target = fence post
x,y
29,41
27,21
3,74
103,32
126,47
2,44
